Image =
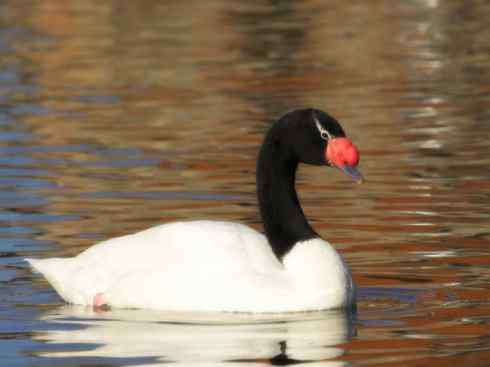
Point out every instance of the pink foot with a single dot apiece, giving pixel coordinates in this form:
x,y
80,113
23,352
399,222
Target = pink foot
x,y
99,300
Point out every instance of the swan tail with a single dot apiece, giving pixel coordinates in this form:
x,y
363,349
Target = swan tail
x,y
57,272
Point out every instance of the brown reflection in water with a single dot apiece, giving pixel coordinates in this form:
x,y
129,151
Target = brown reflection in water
x,y
192,88
197,99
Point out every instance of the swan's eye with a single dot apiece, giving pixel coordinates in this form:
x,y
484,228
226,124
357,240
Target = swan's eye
x,y
325,135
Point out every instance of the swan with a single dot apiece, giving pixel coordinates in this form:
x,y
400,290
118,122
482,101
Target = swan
x,y
220,266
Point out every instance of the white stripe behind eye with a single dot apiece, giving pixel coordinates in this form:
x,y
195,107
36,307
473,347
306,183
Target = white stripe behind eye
x,y
325,135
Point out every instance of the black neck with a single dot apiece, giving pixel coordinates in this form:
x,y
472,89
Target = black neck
x,y
284,220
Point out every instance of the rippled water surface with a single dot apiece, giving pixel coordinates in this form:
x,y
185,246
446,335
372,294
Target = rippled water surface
x,y
116,116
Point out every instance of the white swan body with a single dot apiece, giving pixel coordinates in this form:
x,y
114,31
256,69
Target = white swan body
x,y
202,266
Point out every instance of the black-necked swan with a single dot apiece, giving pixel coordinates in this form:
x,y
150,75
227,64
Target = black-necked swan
x,y
226,266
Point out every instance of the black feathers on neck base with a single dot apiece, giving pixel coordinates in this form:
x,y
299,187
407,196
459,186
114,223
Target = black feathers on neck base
x,y
291,140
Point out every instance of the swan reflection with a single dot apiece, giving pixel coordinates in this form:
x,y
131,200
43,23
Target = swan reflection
x,y
152,338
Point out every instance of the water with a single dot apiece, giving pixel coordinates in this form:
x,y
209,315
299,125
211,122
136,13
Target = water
x,y
118,116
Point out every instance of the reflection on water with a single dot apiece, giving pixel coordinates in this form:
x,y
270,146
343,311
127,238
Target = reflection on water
x,y
118,116
151,337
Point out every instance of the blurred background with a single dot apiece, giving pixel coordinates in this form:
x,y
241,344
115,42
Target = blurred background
x,y
116,116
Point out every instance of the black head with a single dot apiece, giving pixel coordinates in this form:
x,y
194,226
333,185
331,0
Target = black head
x,y
307,136
314,137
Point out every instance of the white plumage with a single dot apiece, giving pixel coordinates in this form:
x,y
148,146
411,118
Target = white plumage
x,y
202,266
